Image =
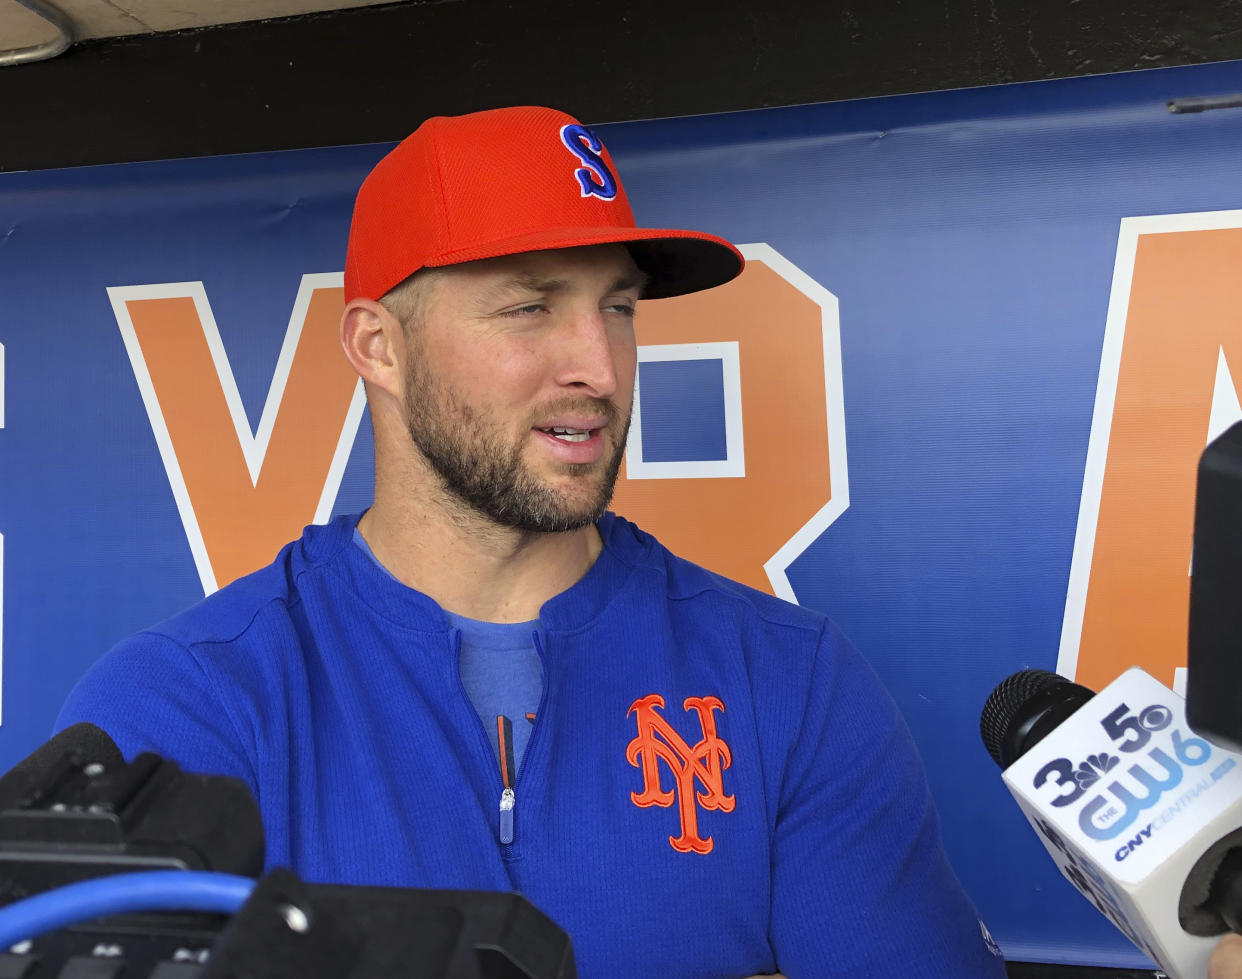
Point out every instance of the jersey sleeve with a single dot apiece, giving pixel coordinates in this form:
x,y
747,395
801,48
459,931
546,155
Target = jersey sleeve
x,y
150,693
861,883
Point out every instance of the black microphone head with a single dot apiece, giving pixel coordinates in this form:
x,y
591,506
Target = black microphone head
x,y
1023,709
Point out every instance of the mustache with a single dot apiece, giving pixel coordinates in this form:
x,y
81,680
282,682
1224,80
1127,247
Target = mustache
x,y
584,405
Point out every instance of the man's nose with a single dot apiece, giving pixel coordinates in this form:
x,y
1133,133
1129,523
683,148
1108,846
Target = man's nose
x,y
588,354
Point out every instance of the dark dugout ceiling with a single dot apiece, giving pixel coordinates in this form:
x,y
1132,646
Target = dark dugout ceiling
x,y
371,74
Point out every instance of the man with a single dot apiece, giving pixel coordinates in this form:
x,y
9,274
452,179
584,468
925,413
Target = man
x,y
487,681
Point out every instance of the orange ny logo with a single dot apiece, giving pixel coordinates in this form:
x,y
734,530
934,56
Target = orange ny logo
x,y
704,761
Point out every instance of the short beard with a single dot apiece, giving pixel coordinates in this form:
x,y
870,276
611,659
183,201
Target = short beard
x,y
489,476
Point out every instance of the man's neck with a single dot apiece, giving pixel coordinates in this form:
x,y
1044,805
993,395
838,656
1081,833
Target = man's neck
x,y
472,566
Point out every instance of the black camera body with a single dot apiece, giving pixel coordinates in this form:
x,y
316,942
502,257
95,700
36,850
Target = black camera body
x,y
75,810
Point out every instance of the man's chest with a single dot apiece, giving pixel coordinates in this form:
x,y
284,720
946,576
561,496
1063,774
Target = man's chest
x,y
639,853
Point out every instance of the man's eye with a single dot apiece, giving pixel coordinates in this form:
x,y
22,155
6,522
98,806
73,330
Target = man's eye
x,y
625,309
524,310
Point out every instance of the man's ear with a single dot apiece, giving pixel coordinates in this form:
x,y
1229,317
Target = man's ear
x,y
372,339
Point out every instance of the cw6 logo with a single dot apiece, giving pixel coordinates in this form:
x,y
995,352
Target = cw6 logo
x,y
1102,819
736,455
1152,775
1130,734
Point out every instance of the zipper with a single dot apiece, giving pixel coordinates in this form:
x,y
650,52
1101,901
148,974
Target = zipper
x,y
507,802
508,796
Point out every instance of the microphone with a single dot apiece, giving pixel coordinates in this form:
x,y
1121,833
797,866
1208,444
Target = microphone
x,y
1140,814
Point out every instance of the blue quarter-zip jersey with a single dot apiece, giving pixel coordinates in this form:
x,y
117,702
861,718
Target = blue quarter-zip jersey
x,y
715,785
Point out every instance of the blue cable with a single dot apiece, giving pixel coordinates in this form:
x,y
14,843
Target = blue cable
x,y
151,890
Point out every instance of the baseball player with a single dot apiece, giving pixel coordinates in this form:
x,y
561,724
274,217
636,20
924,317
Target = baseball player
x,y
487,680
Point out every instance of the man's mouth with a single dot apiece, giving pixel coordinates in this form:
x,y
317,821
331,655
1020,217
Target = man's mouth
x,y
569,434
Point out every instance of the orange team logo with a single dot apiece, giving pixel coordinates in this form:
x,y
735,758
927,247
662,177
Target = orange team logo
x,y
703,763
1165,390
780,482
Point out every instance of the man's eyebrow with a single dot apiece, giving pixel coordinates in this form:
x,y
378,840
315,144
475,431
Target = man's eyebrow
x,y
637,279
538,283
523,283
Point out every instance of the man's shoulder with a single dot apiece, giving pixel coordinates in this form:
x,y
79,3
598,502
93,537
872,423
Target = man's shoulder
x,y
273,591
186,686
691,585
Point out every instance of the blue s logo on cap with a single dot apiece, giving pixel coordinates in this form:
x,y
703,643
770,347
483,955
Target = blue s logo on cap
x,y
594,176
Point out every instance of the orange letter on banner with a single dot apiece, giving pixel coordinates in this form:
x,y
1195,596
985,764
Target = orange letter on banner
x,y
750,527
242,496
1182,314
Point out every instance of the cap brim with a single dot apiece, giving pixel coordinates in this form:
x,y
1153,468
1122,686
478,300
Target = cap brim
x,y
681,265
677,262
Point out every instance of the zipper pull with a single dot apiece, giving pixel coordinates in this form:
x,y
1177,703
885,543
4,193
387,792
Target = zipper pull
x,y
507,801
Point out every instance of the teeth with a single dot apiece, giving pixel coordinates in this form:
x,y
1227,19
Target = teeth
x,y
570,434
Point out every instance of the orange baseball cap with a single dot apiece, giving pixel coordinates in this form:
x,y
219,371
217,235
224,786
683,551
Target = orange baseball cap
x,y
504,181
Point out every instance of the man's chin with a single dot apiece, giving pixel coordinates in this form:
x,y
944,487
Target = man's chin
x,y
577,514
574,495
580,508
550,521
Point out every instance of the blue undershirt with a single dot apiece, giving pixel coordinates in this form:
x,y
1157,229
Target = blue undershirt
x,y
502,675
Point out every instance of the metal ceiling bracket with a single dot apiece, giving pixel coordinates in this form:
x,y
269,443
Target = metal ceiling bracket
x,y
48,49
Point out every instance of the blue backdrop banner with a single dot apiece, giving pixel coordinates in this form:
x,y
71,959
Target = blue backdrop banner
x,y
955,401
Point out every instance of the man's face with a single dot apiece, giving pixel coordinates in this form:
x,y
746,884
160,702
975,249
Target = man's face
x,y
520,383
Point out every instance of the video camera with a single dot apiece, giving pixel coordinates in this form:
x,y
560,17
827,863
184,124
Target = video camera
x,y
111,870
